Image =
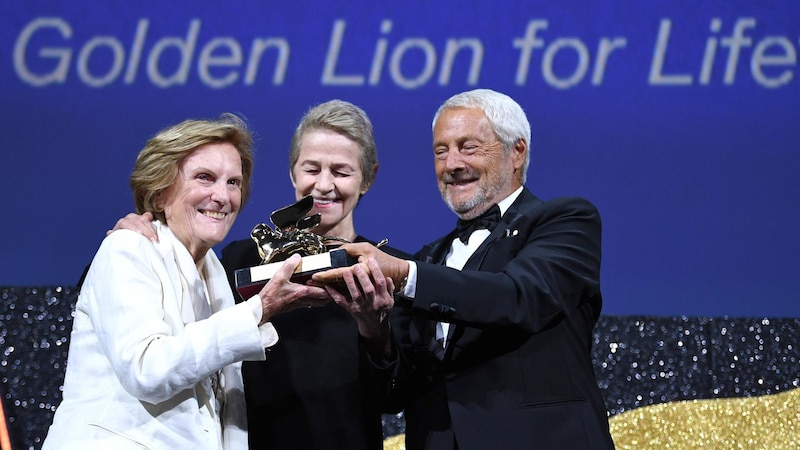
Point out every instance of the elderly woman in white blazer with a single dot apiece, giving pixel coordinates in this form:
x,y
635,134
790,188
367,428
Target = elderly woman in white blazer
x,y
157,342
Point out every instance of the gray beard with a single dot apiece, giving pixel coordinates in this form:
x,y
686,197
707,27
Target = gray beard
x,y
467,209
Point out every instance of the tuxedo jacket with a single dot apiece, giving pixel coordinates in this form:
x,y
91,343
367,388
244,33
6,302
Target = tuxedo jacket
x,y
517,370
311,392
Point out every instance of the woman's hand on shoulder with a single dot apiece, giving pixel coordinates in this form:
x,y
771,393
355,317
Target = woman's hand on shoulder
x,y
140,223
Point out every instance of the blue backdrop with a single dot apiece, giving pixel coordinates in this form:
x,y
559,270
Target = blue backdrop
x,y
679,120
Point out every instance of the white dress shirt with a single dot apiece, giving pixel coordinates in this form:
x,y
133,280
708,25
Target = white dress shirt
x,y
456,258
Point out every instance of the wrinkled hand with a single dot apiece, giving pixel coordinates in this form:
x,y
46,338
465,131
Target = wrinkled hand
x,y
368,296
141,224
394,268
281,295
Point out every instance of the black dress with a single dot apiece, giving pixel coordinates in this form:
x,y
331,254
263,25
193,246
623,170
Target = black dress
x,y
309,393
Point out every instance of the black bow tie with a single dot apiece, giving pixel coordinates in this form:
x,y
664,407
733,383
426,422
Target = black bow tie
x,y
487,220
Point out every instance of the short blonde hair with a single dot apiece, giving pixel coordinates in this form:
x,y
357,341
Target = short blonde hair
x,y
347,120
156,167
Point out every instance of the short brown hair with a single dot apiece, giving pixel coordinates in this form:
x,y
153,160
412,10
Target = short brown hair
x,y
157,164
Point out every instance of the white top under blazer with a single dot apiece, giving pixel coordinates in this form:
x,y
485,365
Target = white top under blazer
x,y
155,351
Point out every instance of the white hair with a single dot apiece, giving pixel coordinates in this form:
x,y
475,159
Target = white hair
x,y
506,117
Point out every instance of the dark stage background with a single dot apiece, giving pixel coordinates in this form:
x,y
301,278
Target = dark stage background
x,y
679,120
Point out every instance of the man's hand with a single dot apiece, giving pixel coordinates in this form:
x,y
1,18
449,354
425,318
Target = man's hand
x,y
394,268
281,295
141,224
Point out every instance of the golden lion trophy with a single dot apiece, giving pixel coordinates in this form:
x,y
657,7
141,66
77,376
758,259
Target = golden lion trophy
x,y
289,236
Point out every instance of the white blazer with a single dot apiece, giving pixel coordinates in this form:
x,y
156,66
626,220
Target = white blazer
x,y
148,337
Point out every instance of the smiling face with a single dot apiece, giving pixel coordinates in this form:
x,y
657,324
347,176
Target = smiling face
x,y
473,170
329,169
202,203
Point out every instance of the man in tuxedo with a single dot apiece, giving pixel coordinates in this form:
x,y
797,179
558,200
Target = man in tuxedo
x,y
488,344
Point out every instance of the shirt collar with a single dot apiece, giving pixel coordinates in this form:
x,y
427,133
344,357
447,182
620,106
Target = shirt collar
x,y
506,203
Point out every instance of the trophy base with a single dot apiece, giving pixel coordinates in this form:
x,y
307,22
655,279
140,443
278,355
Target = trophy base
x,y
249,281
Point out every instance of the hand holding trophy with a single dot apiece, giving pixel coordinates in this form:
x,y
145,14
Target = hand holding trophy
x,y
290,236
